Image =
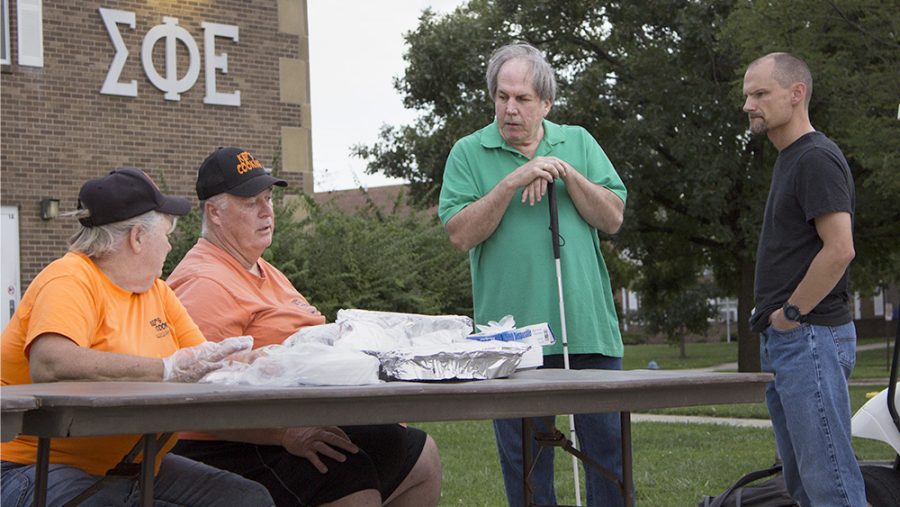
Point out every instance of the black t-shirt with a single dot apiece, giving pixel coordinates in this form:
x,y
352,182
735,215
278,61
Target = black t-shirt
x,y
811,178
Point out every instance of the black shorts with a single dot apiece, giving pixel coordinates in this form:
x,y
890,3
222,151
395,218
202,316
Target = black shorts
x,y
387,453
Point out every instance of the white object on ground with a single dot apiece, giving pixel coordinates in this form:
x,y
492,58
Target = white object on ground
x,y
873,420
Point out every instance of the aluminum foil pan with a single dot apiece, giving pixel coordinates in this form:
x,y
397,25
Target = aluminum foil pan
x,y
468,360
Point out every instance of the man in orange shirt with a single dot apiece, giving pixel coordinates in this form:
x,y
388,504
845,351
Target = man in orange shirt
x,y
102,313
230,290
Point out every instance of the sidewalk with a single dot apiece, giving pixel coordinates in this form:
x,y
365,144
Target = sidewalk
x,y
699,419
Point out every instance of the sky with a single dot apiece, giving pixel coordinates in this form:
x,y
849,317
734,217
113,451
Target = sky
x,y
356,50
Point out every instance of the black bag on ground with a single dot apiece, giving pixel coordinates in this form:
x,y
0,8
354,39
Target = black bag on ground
x,y
770,493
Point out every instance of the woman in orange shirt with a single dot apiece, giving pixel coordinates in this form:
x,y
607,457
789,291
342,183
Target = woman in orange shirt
x,y
102,313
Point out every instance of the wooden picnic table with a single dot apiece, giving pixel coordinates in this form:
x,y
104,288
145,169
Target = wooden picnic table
x,y
13,410
70,409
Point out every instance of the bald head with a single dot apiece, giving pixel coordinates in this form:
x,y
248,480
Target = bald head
x,y
787,70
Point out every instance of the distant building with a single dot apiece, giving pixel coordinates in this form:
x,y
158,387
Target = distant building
x,y
876,315
385,198
89,86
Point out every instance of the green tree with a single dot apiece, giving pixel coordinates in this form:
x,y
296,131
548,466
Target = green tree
x,y
444,79
675,313
658,84
853,50
374,259
651,84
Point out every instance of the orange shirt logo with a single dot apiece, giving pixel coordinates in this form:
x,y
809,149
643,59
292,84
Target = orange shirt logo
x,y
247,163
161,326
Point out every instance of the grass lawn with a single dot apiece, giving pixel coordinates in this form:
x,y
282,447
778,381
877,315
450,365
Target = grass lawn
x,y
674,464
758,410
700,355
873,363
870,364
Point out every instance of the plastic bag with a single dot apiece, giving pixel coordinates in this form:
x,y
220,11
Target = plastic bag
x,y
375,330
300,364
325,334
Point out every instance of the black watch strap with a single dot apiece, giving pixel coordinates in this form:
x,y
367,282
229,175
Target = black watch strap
x,y
792,312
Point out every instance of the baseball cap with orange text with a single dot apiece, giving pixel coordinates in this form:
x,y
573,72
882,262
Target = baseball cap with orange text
x,y
234,171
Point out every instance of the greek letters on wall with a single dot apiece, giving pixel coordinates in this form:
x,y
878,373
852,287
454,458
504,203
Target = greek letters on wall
x,y
170,34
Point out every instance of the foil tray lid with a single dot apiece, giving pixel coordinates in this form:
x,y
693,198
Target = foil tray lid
x,y
461,361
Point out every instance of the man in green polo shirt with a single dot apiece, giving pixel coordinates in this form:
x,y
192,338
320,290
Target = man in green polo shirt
x,y
492,206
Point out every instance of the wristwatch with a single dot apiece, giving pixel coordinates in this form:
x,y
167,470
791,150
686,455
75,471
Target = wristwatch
x,y
792,312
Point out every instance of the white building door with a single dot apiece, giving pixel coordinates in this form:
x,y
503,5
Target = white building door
x,y
9,262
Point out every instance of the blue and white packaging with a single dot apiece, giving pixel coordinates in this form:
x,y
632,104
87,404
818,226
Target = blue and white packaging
x,y
536,336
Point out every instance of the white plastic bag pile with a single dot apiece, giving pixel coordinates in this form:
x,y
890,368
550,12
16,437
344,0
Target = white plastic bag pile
x,y
378,331
305,364
351,351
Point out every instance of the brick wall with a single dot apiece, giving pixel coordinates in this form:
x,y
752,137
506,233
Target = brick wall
x,y
57,130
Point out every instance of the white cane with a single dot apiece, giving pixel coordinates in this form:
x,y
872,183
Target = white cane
x,y
554,232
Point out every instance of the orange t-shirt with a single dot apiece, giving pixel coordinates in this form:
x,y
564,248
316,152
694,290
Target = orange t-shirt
x,y
225,300
74,298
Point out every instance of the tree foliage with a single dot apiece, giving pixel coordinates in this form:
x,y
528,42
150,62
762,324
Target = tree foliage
x,y
185,235
853,50
659,85
377,261
675,313
374,260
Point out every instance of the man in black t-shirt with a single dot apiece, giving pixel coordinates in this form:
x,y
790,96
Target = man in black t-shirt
x,y
808,339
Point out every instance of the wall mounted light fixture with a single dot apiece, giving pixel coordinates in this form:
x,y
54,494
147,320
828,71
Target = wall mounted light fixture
x,y
49,208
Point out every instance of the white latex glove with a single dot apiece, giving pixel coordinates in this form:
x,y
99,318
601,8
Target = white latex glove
x,y
250,356
192,363
505,324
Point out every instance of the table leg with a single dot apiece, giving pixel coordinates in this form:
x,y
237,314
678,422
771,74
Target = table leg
x,y
627,463
147,465
40,472
527,462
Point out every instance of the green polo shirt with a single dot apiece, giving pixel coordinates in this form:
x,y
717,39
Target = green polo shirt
x,y
513,271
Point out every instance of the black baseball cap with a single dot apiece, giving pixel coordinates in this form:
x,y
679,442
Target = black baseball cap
x,y
234,171
125,193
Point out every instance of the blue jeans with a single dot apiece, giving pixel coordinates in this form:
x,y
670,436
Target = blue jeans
x,y
809,404
599,436
180,482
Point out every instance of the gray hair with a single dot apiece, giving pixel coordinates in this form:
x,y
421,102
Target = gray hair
x,y
101,240
788,70
542,76
219,201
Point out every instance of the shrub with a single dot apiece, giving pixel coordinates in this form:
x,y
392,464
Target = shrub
x,y
371,260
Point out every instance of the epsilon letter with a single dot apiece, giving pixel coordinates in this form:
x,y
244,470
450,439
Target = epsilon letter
x,y
214,61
